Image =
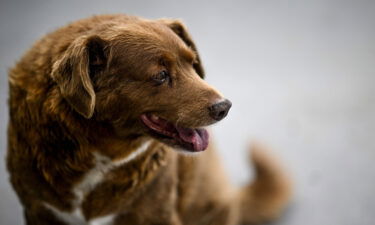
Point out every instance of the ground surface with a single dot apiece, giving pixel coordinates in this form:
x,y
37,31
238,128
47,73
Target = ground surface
x,y
300,74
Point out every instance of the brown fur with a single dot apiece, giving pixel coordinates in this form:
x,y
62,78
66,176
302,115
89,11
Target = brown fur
x,y
81,90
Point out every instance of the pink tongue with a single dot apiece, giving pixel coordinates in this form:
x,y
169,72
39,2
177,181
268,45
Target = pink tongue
x,y
198,137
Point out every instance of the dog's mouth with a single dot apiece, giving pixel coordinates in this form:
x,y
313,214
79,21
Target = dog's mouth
x,y
191,139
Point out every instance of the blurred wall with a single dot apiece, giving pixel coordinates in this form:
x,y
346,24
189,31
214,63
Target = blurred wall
x,y
300,74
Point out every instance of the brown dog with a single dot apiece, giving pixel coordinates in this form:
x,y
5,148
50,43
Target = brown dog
x,y
97,110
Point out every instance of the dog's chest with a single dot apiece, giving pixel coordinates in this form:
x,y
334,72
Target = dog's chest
x,y
95,176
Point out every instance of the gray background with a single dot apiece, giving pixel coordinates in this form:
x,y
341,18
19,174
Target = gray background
x,y
300,74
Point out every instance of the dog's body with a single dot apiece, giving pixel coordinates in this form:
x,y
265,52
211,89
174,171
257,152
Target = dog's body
x,y
97,110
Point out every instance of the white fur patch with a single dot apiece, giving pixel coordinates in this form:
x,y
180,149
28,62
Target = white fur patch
x,y
91,179
104,220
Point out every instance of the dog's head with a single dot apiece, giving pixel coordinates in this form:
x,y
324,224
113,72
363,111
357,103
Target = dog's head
x,y
142,78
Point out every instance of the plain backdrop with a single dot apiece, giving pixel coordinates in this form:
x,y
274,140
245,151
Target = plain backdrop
x,y
300,74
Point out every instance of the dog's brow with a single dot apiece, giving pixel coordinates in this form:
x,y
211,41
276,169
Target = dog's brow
x,y
188,54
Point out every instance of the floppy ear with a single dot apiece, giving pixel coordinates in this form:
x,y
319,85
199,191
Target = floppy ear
x,y
72,72
179,28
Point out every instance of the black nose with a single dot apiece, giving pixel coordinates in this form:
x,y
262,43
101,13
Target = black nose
x,y
219,110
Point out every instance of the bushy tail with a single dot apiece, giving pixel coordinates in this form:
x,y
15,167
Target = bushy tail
x,y
265,198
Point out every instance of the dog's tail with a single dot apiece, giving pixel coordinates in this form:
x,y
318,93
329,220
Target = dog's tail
x,y
265,198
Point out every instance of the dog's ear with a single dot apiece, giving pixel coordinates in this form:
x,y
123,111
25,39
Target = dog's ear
x,y
179,28
73,71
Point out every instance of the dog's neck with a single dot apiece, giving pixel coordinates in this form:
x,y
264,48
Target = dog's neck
x,y
118,148
79,174
147,154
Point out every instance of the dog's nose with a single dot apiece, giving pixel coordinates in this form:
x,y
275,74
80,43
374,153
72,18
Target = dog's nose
x,y
219,110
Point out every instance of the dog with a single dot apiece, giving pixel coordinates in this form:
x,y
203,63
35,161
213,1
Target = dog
x,y
100,111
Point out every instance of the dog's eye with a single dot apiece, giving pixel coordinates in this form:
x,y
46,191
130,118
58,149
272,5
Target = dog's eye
x,y
161,77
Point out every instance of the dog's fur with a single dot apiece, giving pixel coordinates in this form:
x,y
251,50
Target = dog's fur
x,y
79,154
